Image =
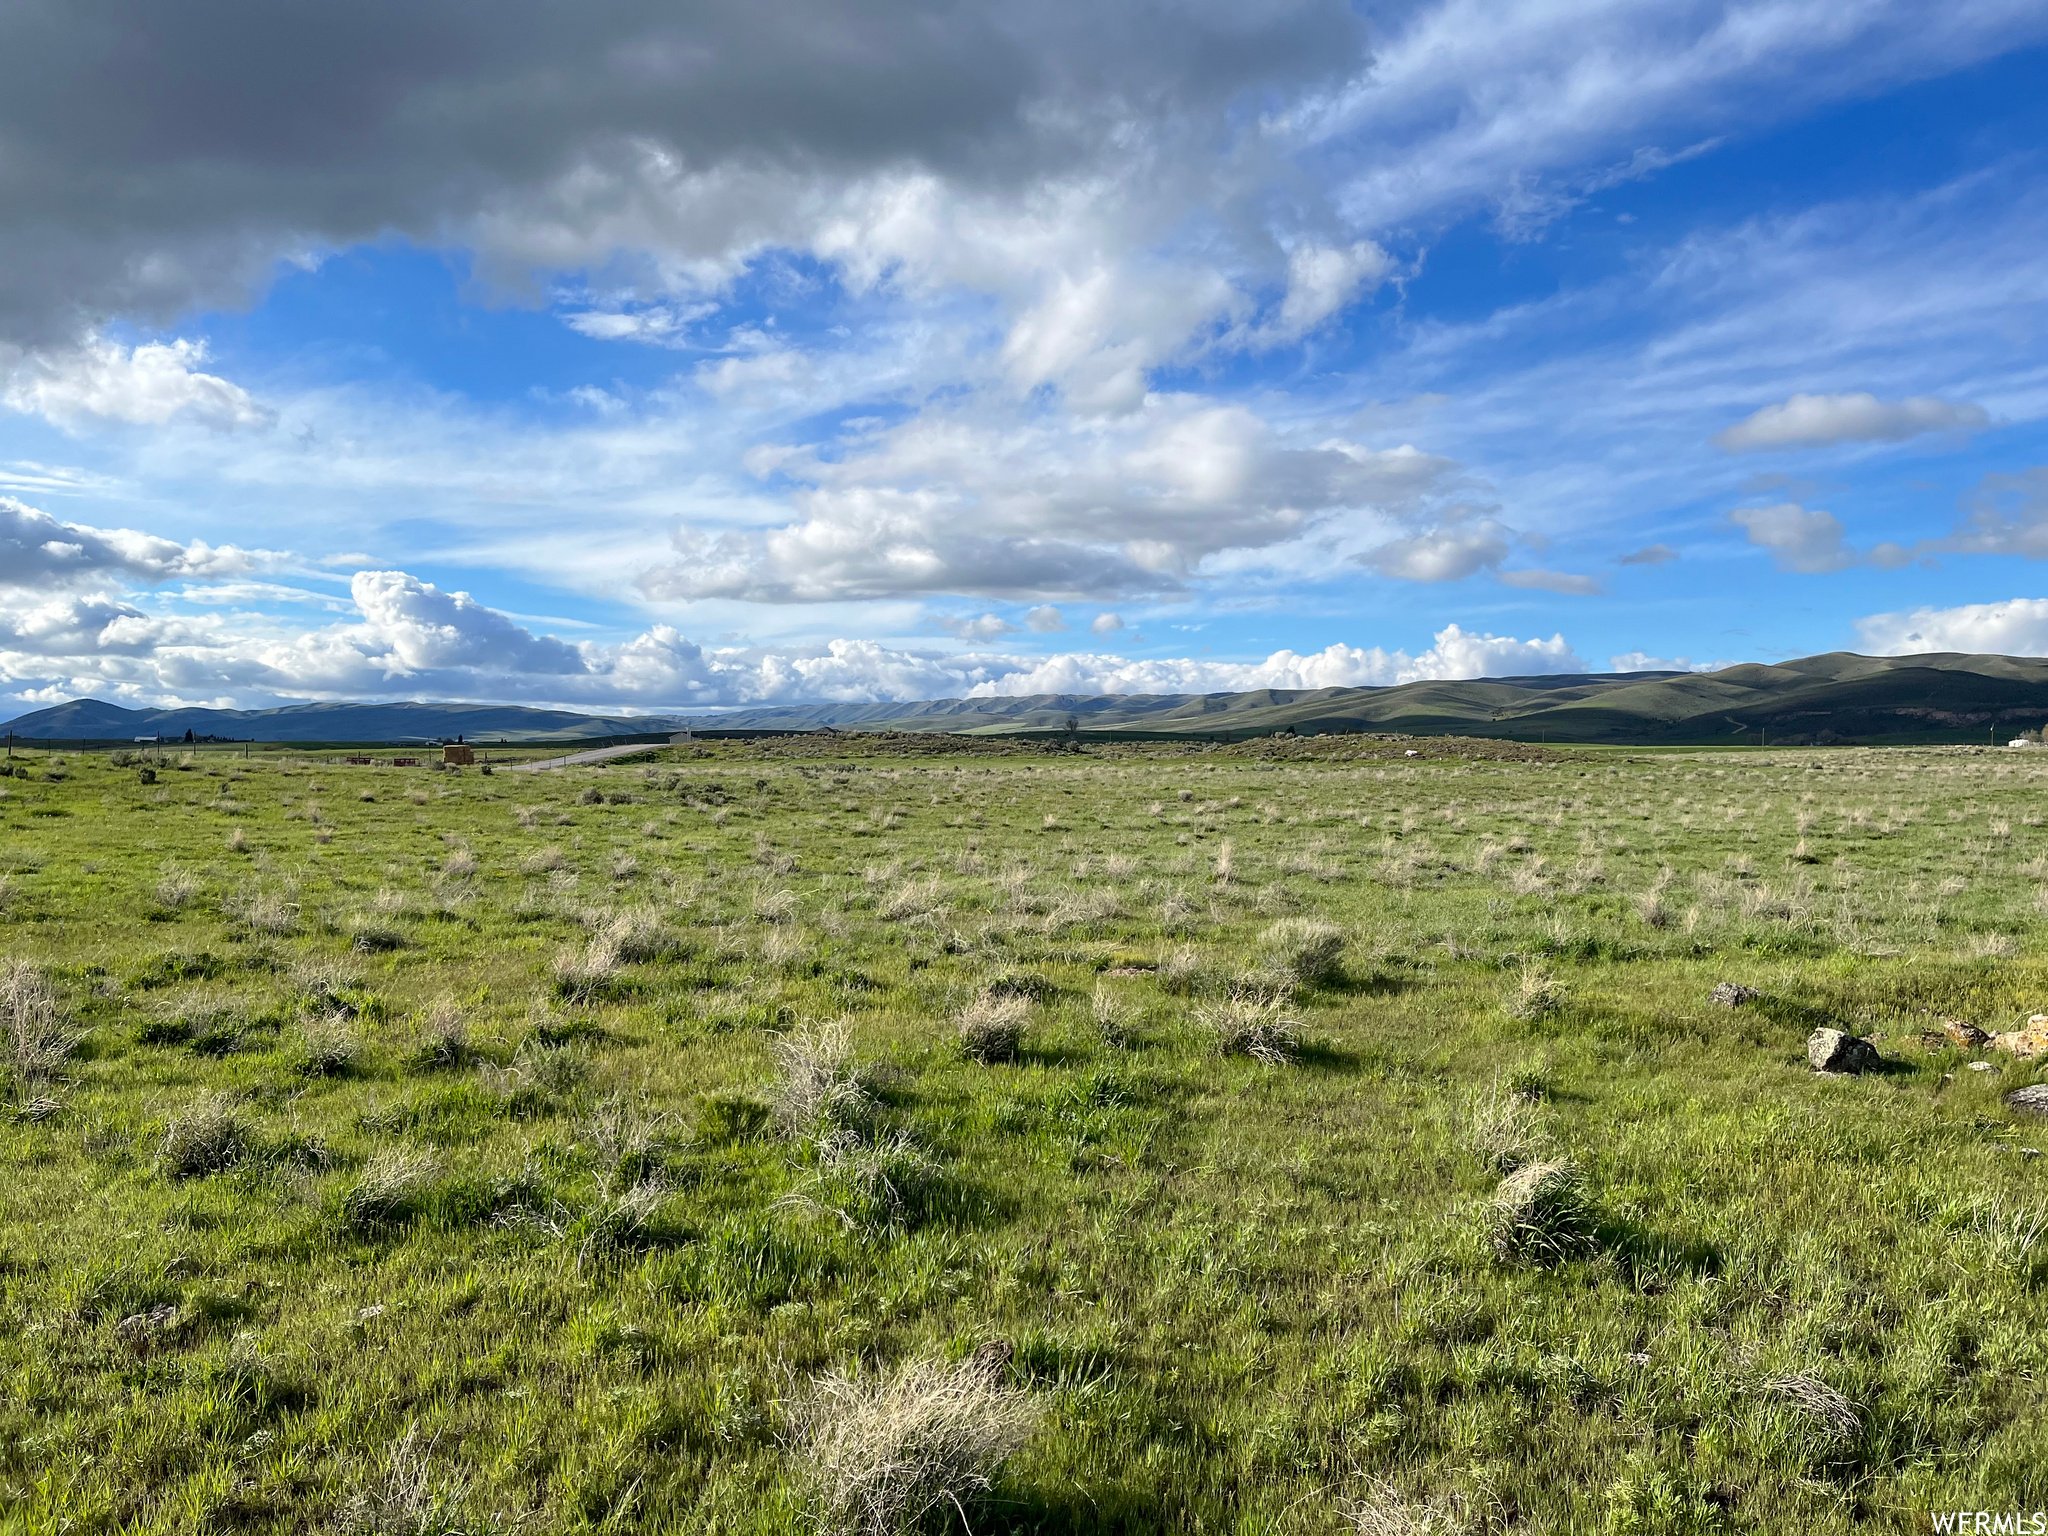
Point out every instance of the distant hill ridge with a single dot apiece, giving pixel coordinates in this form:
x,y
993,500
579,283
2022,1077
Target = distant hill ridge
x,y
1837,697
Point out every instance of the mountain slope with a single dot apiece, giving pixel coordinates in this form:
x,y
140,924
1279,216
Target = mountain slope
x,y
1840,696
1836,697
91,719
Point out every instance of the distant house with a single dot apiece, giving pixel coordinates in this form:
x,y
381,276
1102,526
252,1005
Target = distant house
x,y
2022,741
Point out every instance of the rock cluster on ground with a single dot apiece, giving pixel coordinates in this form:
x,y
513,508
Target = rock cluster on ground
x,y
1838,1052
1731,995
1969,1036
2030,1041
2032,1101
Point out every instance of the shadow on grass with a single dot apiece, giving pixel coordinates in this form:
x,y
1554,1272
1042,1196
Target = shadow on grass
x,y
1068,1512
1328,1056
1652,1261
1373,983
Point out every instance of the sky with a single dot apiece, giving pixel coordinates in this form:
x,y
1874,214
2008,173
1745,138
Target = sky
x,y
651,356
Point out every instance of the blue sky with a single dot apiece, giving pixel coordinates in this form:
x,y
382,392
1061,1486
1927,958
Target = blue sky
x,y
695,359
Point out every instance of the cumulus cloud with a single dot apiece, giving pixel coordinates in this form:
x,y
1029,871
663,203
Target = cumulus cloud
x,y
1105,624
1457,653
1056,509
39,551
1814,421
2016,627
408,638
1807,541
987,627
1442,554
423,629
1045,620
676,141
146,384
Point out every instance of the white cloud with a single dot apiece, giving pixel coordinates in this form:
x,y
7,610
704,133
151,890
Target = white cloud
x,y
987,627
1552,581
2016,627
1457,653
147,384
39,551
1809,542
1813,421
1642,661
1442,554
1045,620
410,639
1105,624
954,502
1324,279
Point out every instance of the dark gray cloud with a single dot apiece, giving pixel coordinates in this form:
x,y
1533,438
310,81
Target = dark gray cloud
x,y
154,157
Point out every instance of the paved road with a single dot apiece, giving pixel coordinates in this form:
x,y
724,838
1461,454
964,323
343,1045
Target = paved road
x,y
574,759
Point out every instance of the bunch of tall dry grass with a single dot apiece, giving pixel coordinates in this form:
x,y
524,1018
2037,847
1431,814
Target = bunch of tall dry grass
x,y
881,1456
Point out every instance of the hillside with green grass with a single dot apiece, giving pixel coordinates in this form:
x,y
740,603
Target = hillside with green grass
x,y
1834,699
93,720
1821,699
1290,1137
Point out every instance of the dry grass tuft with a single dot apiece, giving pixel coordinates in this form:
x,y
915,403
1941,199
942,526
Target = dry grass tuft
x,y
1384,1511
1246,1026
775,906
881,1457
176,888
991,1028
37,1041
916,899
207,1138
1505,1130
581,974
407,1501
328,1046
1307,949
1112,1016
820,1089
1181,972
1819,1403
1537,995
391,1187
1540,1212
444,1036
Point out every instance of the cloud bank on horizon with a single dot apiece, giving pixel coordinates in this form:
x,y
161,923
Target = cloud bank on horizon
x,y
650,356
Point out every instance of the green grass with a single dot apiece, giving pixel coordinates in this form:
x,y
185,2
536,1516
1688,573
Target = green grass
x,y
424,1159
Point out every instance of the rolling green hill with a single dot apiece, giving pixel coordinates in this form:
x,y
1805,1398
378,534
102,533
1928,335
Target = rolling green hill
x,y
1837,697
1840,697
92,720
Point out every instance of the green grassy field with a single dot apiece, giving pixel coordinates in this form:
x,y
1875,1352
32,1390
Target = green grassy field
x,y
400,1150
